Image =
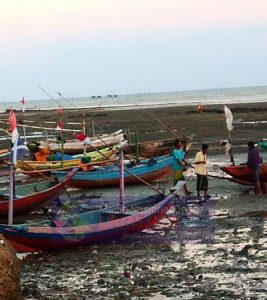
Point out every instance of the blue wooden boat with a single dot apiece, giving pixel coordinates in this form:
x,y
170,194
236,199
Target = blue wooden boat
x,y
87,228
148,170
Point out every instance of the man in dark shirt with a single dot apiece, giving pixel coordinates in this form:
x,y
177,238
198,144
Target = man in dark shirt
x,y
254,162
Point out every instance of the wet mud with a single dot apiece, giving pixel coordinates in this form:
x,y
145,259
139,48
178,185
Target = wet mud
x,y
215,249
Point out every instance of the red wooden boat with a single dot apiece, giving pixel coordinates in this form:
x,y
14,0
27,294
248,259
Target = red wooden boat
x,y
91,227
33,196
243,174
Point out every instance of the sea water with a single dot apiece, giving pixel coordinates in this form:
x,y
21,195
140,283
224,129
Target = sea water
x,y
181,98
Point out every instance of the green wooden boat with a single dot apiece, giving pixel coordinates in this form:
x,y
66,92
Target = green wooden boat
x,y
263,145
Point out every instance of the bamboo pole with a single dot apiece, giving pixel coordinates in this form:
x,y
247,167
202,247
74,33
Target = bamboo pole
x,y
39,127
84,132
42,89
163,124
11,194
136,145
122,204
62,147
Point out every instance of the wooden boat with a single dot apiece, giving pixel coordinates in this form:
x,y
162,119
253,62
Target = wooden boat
x,y
263,145
99,155
84,229
75,147
4,154
30,165
32,196
243,174
148,170
153,148
45,154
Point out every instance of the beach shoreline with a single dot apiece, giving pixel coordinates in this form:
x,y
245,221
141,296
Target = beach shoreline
x,y
151,105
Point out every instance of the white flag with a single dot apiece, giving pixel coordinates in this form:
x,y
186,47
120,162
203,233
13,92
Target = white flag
x,y
229,118
23,102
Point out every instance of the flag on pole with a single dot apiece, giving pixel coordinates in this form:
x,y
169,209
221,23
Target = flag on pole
x,y
23,102
82,137
19,149
229,118
59,125
13,127
59,122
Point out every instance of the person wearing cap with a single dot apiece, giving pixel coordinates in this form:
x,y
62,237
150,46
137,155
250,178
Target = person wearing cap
x,y
201,170
254,161
179,164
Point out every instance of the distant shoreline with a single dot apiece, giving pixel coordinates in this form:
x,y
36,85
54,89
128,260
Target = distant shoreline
x,y
216,96
119,107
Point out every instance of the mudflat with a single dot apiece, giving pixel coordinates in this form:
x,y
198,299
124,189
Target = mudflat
x,y
209,126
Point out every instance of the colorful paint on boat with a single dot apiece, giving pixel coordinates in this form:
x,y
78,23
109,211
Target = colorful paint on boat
x,y
32,196
88,228
148,170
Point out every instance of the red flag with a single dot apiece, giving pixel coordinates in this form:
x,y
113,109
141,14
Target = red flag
x,y
12,121
13,126
82,137
59,125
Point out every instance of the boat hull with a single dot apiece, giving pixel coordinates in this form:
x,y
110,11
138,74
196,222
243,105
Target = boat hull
x,y
151,148
77,147
48,238
43,165
244,173
87,183
35,200
263,145
158,169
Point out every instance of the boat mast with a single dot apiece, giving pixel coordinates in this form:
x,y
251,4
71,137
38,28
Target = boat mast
x,y
11,193
136,145
84,132
122,202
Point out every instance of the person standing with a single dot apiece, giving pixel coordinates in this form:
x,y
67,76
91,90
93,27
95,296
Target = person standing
x,y
201,170
254,162
179,164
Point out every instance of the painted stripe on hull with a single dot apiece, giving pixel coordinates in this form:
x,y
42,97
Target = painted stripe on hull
x,y
127,180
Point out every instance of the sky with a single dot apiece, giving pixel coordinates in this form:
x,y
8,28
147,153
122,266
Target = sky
x,y
98,47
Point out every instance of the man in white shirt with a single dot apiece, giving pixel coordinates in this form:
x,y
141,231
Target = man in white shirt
x,y
201,170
